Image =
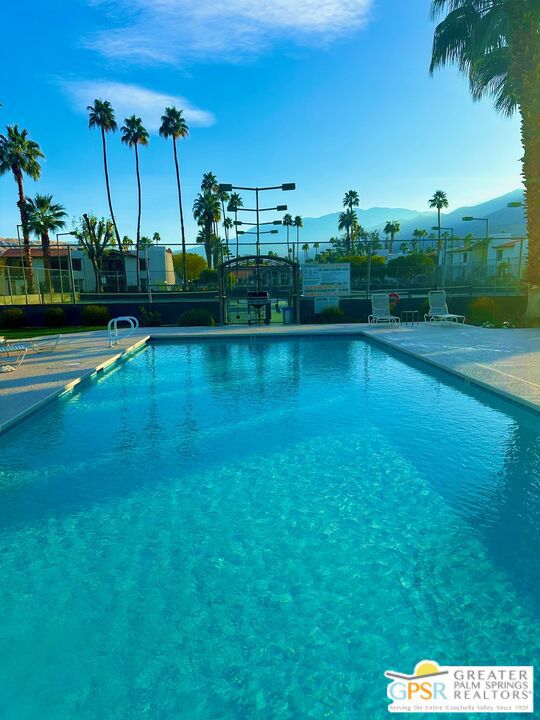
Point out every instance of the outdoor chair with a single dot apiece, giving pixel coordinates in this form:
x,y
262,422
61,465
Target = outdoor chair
x,y
438,310
380,310
7,350
43,344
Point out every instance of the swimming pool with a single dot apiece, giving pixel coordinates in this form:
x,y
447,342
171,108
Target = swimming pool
x,y
221,530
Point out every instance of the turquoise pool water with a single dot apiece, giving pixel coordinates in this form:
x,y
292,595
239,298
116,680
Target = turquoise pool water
x,y
259,529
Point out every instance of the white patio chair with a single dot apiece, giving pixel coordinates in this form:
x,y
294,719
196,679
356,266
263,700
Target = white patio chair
x,y
438,310
43,344
380,310
7,350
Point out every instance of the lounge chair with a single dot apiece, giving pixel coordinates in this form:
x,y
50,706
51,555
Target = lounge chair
x,y
380,310
43,344
18,350
438,310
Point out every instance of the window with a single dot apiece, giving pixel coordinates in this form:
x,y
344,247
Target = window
x,y
76,263
500,254
142,263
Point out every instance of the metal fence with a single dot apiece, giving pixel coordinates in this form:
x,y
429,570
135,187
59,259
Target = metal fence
x,y
413,268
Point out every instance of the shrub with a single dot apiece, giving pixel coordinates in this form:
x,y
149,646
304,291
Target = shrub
x,y
54,317
94,315
332,315
196,317
150,318
484,310
13,318
208,277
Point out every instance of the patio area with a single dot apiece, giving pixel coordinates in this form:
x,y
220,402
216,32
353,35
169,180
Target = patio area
x,y
506,362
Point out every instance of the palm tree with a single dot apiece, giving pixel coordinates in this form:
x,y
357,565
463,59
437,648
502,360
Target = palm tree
x,y
227,225
95,237
316,246
209,183
207,212
346,221
173,125
133,135
351,199
288,223
224,198
391,228
235,203
101,115
404,247
298,223
20,156
497,45
305,248
439,201
45,217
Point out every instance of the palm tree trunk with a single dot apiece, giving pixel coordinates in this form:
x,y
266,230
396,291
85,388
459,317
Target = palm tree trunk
x,y
46,247
183,233
28,272
525,74
139,201
109,199
208,244
288,247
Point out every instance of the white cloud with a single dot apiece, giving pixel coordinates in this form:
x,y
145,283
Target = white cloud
x,y
133,100
178,30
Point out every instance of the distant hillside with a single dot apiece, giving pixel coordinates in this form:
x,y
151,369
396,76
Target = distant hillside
x,y
501,219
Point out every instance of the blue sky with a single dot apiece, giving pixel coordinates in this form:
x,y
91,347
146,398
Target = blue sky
x,y
331,94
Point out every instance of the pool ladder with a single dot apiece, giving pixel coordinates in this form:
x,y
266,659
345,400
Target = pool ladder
x,y
112,328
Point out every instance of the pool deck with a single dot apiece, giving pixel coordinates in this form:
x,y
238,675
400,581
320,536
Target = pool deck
x,y
506,362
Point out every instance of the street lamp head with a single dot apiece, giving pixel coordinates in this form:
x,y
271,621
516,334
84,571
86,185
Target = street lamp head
x,y
278,222
274,232
281,208
241,232
435,227
515,204
238,222
288,186
224,187
467,218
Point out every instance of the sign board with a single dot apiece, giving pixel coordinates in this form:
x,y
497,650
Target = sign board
x,y
321,303
326,279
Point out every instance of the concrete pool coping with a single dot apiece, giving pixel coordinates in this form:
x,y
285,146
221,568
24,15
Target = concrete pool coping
x,y
505,362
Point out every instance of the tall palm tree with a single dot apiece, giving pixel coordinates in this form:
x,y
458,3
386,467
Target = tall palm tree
x,y
133,135
101,115
346,221
209,183
439,201
496,44
20,156
235,203
173,125
316,246
351,199
391,229
224,198
45,217
305,248
207,212
298,223
288,223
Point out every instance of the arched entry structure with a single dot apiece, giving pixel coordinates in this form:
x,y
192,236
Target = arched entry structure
x,y
280,276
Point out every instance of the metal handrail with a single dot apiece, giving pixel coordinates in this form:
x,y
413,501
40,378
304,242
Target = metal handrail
x,y
113,326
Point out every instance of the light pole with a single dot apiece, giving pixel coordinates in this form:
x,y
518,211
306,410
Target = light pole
x,y
226,187
470,218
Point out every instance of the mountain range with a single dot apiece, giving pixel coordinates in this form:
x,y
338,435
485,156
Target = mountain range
x,y
502,219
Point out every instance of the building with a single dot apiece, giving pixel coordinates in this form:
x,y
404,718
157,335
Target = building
x,y
71,263
502,257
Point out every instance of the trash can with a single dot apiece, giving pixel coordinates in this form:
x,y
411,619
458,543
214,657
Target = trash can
x,y
288,316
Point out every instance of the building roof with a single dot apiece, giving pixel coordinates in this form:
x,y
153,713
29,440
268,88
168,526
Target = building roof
x,y
35,251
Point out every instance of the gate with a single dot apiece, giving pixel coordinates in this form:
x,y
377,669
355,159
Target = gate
x,y
257,290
